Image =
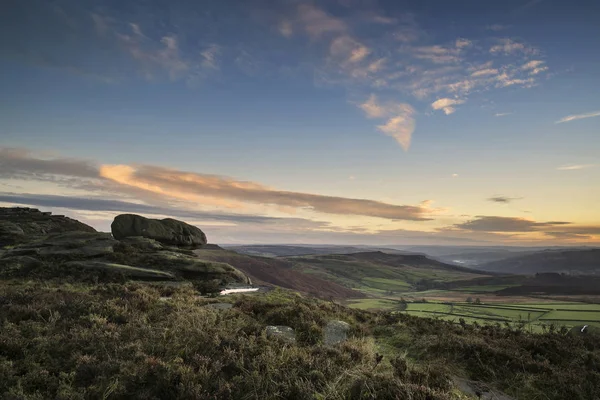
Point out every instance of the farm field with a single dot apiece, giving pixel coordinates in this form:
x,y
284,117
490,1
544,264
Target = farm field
x,y
533,316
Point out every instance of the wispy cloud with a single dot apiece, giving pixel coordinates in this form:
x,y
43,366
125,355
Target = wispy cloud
x,y
183,185
400,122
17,163
575,117
497,27
503,199
502,114
401,57
446,105
97,204
510,46
286,28
484,72
317,22
572,167
515,225
437,54
507,224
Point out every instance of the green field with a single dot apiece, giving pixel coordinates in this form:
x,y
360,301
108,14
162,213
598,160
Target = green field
x,y
374,304
533,315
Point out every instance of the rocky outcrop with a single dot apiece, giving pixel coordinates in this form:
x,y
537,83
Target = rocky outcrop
x,y
126,270
48,246
21,225
167,231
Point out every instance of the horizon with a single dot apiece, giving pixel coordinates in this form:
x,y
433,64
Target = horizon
x,y
342,122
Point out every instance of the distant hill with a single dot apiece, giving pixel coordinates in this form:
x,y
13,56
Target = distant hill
x,y
304,250
378,272
279,272
582,262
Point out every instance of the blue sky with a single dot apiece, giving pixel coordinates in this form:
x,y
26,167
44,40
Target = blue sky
x,y
376,122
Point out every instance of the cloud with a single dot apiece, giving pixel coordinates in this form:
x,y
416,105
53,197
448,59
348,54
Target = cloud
x,y
462,43
372,108
17,162
183,185
348,50
455,175
509,46
484,72
94,204
446,104
497,27
503,199
572,167
533,64
509,79
317,22
575,117
286,28
502,114
400,123
437,54
155,56
506,224
210,57
400,127
174,181
534,67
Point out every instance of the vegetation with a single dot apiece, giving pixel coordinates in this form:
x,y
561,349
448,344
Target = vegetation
x,y
122,340
535,317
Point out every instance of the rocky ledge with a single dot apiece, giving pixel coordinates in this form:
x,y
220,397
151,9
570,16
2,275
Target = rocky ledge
x,y
38,244
22,224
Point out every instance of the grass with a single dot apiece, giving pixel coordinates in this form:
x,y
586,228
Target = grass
x,y
387,284
483,288
120,341
380,272
534,315
373,304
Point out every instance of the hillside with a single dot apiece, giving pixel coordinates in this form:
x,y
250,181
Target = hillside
x,y
585,262
135,341
279,272
378,272
304,250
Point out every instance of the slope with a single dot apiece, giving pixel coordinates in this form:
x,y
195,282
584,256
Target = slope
x,y
377,272
279,272
567,261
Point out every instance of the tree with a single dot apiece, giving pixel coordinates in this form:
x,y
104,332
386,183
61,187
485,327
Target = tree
x,y
469,299
477,301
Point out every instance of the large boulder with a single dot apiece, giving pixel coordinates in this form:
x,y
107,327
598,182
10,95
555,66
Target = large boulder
x,y
167,231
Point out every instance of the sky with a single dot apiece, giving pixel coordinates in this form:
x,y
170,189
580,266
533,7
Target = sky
x,y
335,121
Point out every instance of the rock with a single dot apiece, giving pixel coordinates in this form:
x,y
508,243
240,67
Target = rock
x,y
191,267
127,270
219,306
335,332
479,390
167,231
68,244
282,332
142,243
18,225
